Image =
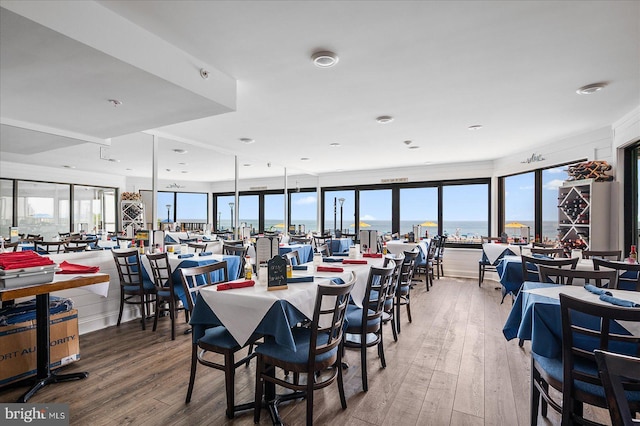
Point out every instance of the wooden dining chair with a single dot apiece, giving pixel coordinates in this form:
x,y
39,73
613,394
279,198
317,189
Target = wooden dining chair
x,y
216,340
74,248
603,278
324,250
531,264
134,290
364,324
438,258
198,247
618,372
628,273
549,252
586,326
602,254
236,250
11,246
318,347
403,293
388,315
319,241
293,257
48,247
299,240
167,297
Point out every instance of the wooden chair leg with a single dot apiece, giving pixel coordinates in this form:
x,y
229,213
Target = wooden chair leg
x,y
121,307
155,315
535,398
393,328
309,396
229,379
408,307
363,362
343,399
144,312
259,388
381,352
194,365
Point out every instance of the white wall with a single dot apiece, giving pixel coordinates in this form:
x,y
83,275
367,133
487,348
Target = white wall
x,y
12,170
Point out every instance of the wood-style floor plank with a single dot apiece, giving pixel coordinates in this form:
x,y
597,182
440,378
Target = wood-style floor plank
x,y
450,366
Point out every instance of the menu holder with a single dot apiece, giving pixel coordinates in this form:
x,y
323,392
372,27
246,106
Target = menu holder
x,y
266,248
277,274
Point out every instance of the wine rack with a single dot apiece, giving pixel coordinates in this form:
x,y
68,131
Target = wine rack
x,y
132,213
584,215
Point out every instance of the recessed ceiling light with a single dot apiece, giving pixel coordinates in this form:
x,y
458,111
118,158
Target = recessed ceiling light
x,y
334,145
324,59
168,170
114,160
247,140
128,169
304,159
184,171
475,127
116,103
66,166
246,165
590,89
414,147
384,119
183,164
407,142
180,151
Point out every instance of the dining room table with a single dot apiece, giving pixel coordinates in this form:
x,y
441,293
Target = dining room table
x,y
400,246
535,315
341,245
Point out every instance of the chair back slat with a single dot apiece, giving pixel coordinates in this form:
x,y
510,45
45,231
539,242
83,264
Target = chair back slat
x,y
567,276
128,266
530,266
602,254
616,372
628,273
550,252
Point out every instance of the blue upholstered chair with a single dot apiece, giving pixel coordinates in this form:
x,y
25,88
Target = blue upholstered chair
x,y
586,326
134,289
364,328
403,293
216,340
617,373
317,347
166,296
628,273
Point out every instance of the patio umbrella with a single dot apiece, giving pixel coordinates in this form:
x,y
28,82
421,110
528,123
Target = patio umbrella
x,y
428,223
360,225
279,225
515,225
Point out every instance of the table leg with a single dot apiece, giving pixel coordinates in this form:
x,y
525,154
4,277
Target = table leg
x,y
44,376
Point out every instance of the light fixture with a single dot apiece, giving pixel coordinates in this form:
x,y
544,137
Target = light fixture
x,y
168,170
66,166
184,171
324,59
414,147
114,160
383,119
128,169
590,89
183,164
475,127
334,145
116,103
180,151
247,140
246,165
407,142
304,159
204,73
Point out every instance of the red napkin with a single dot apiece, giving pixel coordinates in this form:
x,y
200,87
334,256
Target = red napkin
x,y
236,284
354,262
72,268
23,259
373,255
329,269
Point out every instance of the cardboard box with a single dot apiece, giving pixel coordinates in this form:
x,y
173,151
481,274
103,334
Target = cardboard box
x,y
18,346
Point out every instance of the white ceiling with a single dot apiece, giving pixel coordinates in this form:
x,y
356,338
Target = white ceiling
x,y
437,67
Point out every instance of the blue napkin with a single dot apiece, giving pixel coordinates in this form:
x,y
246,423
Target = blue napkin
x,y
205,253
206,239
300,280
184,256
330,260
595,290
619,302
299,268
340,254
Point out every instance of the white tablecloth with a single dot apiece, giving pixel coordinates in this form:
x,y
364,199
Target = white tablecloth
x,y
494,250
101,289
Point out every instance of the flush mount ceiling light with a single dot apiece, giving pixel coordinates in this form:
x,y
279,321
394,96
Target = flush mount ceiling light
x,y
475,127
183,164
590,89
304,159
334,145
184,171
246,165
247,140
66,166
180,151
116,103
114,160
168,170
128,169
414,147
383,119
407,142
324,59
204,73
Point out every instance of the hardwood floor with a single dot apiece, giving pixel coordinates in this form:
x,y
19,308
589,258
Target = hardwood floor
x,y
451,366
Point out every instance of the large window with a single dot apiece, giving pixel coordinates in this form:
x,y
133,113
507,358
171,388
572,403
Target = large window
x,y
43,208
465,212
519,206
336,211
375,210
225,210
192,208
93,209
304,210
6,206
419,206
274,212
552,179
249,211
